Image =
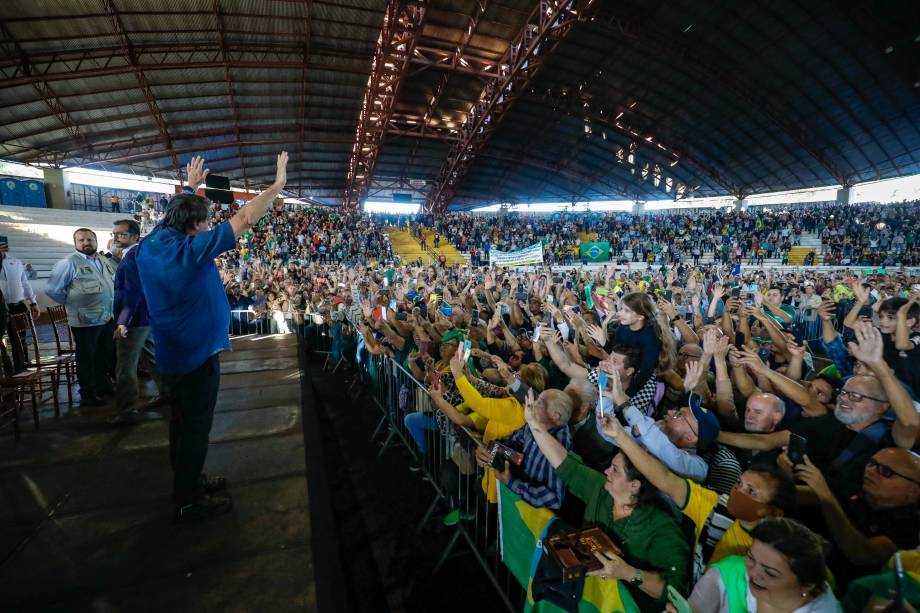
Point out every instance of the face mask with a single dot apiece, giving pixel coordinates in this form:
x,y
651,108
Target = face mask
x,y
744,508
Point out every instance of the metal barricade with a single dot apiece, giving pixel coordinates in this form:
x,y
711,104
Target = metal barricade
x,y
442,453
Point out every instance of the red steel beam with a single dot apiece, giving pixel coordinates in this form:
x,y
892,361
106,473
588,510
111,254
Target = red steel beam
x,y
458,53
548,23
155,113
402,25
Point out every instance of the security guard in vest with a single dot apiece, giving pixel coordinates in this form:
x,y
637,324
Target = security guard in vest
x,y
84,282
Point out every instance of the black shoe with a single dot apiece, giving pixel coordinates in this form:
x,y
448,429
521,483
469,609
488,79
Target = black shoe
x,y
92,401
205,507
212,485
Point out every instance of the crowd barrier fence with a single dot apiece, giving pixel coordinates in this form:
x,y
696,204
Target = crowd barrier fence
x,y
442,454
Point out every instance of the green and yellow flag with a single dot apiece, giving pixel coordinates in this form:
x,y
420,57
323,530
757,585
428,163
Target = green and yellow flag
x,y
595,251
522,527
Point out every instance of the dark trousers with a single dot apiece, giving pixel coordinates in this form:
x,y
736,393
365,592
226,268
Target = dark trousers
x,y
19,346
95,358
192,396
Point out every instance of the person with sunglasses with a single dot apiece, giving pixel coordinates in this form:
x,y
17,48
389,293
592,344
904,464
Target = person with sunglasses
x,y
881,519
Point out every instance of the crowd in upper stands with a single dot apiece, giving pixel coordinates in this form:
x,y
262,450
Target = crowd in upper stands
x,y
746,436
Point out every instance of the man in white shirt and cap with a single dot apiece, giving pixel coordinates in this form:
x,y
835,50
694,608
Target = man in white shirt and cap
x,y
19,296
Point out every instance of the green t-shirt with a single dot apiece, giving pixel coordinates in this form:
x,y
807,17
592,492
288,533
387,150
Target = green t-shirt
x,y
650,538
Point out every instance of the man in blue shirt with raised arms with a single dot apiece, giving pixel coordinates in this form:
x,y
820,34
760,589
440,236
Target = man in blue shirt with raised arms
x,y
190,316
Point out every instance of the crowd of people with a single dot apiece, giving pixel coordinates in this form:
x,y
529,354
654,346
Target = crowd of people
x,y
745,436
791,457
680,395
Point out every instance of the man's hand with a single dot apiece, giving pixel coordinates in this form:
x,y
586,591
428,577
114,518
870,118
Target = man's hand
x,y
194,172
810,475
870,347
611,426
694,373
121,331
35,312
862,294
482,457
667,308
825,311
281,171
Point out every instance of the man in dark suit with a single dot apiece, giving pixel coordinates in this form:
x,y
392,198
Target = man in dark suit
x,y
133,335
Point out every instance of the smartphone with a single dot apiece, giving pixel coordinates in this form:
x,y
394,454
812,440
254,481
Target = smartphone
x,y
536,332
386,281
739,340
447,310
549,299
474,317
798,446
736,292
423,310
467,346
602,378
668,294
568,285
521,296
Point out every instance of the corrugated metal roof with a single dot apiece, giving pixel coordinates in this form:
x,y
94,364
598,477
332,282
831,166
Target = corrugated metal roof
x,y
729,98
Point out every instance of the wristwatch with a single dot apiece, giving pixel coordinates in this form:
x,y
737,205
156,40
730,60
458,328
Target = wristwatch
x,y
637,580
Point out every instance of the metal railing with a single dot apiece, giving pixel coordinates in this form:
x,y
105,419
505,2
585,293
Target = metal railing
x,y
442,453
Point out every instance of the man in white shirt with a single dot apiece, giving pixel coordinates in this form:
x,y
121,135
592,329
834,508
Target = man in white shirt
x,y
19,296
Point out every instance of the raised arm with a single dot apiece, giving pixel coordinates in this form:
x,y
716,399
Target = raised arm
x,y
657,473
869,351
250,214
563,362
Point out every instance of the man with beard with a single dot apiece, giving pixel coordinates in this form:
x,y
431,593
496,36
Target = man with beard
x,y
84,283
881,519
841,443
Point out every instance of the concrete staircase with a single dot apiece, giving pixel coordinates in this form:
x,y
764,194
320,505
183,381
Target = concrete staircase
x,y
450,252
808,243
406,247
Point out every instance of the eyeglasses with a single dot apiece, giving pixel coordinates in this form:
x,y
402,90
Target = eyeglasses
x,y
680,415
887,471
121,234
857,397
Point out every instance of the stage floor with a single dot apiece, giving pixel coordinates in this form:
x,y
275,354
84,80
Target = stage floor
x,y
86,517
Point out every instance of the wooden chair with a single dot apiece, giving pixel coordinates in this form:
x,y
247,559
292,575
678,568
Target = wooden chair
x,y
66,348
31,379
9,410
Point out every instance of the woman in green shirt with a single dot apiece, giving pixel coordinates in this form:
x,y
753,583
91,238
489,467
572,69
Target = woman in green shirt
x,y
655,552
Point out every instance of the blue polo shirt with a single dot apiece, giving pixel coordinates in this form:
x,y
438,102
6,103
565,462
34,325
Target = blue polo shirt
x,y
186,301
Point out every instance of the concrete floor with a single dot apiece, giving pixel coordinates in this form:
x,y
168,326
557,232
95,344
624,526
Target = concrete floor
x,y
86,517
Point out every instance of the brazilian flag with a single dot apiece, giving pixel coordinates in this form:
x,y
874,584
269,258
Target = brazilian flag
x,y
595,251
521,528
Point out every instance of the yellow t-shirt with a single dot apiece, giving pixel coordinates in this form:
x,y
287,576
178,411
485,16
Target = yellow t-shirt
x,y
718,535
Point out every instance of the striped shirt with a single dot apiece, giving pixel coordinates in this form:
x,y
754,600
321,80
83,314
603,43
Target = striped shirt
x,y
540,485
